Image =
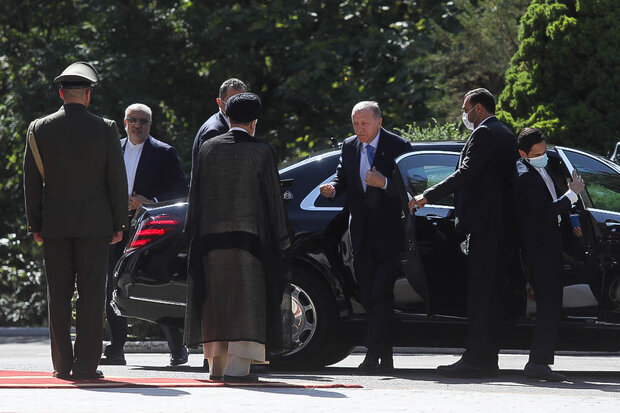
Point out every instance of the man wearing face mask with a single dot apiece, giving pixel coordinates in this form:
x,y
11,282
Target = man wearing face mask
x,y
541,211
482,184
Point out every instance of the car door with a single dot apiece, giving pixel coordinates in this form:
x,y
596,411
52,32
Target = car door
x,y
433,261
601,203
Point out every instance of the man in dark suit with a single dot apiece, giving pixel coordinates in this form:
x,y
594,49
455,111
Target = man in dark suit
x,y
377,234
541,211
217,124
153,174
482,185
76,199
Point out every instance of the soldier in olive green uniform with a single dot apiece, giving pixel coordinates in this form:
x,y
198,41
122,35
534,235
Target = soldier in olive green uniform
x,y
76,201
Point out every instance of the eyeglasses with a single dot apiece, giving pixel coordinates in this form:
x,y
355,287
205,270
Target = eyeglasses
x,y
141,121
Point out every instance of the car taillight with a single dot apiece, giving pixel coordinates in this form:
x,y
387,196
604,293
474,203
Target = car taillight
x,y
152,229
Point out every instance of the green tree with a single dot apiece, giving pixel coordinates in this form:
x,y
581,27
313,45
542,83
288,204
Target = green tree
x,y
564,79
473,50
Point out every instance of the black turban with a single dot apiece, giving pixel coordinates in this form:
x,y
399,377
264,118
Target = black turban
x,y
243,107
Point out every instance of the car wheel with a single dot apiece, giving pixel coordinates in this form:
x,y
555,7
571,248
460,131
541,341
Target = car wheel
x,y
315,325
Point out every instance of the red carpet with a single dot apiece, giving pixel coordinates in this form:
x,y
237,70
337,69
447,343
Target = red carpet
x,y
10,379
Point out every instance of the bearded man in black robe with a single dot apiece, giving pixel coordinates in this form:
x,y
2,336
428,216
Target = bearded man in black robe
x,y
239,301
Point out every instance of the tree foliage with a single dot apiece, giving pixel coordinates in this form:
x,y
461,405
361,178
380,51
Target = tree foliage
x,y
473,51
564,79
310,61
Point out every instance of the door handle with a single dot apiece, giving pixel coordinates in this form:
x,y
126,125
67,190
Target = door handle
x,y
432,217
610,223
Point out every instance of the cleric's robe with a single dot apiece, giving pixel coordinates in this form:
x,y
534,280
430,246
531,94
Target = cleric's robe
x,y
238,283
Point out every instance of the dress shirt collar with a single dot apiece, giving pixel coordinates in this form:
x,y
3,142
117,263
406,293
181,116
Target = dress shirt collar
x,y
375,142
130,145
225,118
484,120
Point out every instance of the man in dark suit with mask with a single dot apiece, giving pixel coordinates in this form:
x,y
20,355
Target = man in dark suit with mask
x,y
76,203
377,234
482,185
541,211
153,175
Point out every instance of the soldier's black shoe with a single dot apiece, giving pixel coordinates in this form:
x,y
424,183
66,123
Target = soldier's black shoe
x,y
64,375
96,375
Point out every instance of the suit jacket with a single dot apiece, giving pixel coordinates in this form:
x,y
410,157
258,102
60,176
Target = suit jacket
x,y
159,174
376,212
85,191
482,183
538,213
214,126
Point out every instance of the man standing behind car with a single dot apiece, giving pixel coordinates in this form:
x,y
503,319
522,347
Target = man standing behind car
x,y
153,175
377,234
482,186
76,203
216,125
540,213
238,295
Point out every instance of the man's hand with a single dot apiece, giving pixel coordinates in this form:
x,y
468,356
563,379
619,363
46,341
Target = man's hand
x,y
37,237
136,200
327,190
116,237
418,201
577,185
375,178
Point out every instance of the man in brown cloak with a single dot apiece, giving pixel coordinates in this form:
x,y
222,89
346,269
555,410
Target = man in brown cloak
x,y
238,288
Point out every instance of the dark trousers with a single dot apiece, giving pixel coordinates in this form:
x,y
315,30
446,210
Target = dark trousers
x,y
174,338
70,261
117,325
376,270
486,259
545,276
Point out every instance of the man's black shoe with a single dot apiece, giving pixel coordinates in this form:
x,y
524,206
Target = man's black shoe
x,y
96,375
386,365
112,361
176,359
369,365
542,372
249,378
464,369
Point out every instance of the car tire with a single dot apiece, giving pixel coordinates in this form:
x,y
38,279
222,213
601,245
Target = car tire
x,y
315,325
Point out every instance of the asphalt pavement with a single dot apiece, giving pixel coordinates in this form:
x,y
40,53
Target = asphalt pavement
x,y
415,386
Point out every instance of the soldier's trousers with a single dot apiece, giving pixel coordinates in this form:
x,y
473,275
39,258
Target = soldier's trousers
x,y
71,261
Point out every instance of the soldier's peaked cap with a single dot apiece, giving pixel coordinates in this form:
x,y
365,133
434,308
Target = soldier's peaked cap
x,y
78,75
244,107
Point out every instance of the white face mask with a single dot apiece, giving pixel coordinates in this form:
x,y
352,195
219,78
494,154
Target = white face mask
x,y
465,116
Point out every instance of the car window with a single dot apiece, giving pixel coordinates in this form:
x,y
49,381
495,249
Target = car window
x,y
602,182
421,171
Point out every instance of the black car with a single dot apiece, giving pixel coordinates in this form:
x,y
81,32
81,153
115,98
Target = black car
x,y
429,296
